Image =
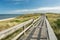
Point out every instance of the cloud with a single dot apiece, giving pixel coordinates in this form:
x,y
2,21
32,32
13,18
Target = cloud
x,y
38,10
18,11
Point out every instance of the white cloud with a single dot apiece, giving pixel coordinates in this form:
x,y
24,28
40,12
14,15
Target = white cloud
x,y
43,10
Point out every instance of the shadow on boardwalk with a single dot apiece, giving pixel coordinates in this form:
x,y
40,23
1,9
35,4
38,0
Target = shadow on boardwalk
x,y
32,33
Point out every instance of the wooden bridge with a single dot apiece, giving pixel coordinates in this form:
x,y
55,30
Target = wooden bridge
x,y
38,29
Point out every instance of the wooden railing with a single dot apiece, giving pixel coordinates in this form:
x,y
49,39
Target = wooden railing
x,y
11,30
23,32
51,34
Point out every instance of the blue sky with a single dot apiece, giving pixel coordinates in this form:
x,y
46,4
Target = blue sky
x,y
27,6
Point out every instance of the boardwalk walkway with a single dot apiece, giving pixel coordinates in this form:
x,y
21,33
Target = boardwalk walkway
x,y
38,32
39,29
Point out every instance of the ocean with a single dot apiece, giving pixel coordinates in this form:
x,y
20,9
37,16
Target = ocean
x,y
5,16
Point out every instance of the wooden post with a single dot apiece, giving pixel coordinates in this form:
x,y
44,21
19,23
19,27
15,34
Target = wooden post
x,y
33,23
24,29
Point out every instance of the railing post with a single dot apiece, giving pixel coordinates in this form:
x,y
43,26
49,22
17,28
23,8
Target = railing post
x,y
23,30
33,23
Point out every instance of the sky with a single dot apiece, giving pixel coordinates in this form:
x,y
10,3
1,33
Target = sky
x,y
29,6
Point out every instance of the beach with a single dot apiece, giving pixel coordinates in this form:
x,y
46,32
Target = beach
x,y
6,19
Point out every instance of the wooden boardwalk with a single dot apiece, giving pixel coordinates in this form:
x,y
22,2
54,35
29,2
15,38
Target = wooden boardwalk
x,y
38,32
39,29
